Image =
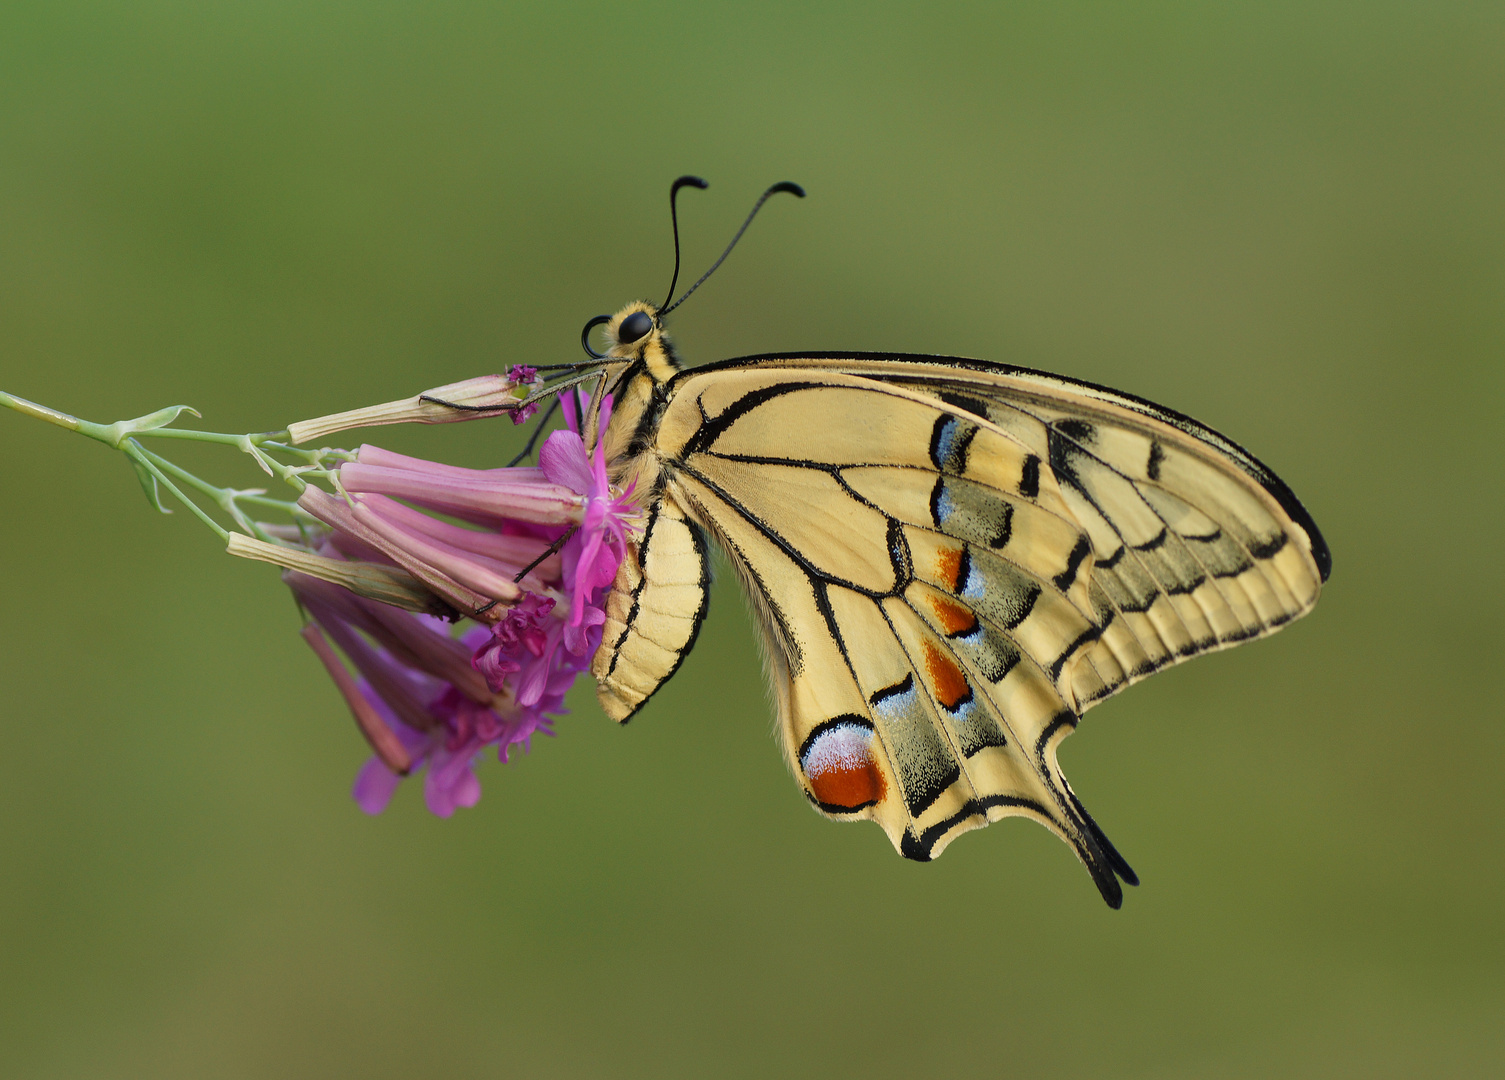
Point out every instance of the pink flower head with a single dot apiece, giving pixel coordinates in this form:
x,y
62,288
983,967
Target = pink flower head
x,y
533,565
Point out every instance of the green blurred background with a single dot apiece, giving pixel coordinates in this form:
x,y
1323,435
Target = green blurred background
x,y
1286,220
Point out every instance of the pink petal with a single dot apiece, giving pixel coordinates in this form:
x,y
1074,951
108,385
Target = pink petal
x,y
466,790
563,461
436,795
531,686
374,786
450,782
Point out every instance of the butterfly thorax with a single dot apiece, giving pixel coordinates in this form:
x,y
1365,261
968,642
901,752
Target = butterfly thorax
x,y
637,374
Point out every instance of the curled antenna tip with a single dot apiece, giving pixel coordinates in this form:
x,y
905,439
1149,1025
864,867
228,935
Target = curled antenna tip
x,y
585,337
687,181
666,306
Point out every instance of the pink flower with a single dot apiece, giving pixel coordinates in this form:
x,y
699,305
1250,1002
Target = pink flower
x,y
534,574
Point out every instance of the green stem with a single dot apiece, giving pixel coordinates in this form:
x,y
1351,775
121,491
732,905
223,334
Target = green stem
x,y
216,436
40,412
136,452
292,509
228,499
249,444
313,457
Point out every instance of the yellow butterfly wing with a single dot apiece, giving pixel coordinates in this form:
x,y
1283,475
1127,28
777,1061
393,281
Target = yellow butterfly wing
x,y
934,597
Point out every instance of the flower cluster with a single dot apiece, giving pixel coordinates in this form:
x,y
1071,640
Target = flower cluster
x,y
525,562
453,608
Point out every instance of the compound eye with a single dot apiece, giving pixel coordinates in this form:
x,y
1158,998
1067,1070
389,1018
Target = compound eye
x,y
634,326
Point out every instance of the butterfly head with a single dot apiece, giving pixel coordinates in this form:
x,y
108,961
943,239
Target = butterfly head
x,y
635,335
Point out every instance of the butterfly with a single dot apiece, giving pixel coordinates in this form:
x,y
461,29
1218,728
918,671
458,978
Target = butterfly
x,y
949,561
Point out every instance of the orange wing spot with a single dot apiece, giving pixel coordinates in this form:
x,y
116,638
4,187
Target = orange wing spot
x,y
850,788
948,567
947,682
841,768
954,618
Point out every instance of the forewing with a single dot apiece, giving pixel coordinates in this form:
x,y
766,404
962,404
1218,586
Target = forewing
x,y
1191,543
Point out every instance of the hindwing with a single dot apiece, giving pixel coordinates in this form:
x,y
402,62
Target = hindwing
x,y
653,612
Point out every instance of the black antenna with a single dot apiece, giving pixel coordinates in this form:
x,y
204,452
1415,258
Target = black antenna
x,y
683,181
783,185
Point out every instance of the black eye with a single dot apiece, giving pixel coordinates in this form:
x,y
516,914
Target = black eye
x,y
634,326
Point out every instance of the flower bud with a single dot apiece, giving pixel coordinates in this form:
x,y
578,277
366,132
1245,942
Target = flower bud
x,y
487,395
385,584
